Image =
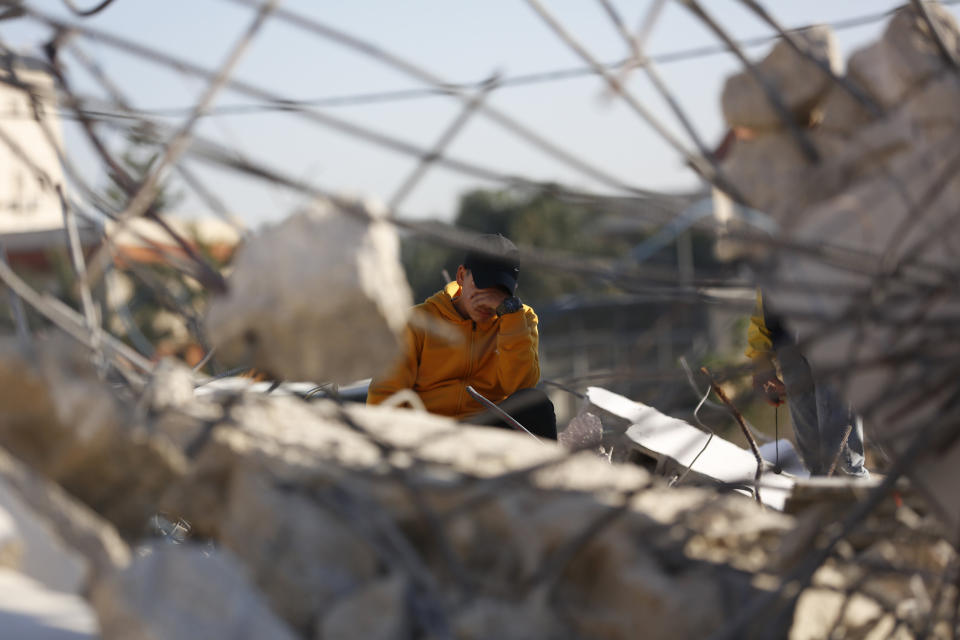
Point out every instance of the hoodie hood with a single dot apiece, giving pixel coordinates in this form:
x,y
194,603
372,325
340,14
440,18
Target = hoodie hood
x,y
442,303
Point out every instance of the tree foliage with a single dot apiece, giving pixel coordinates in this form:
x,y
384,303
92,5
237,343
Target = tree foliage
x,y
545,220
538,219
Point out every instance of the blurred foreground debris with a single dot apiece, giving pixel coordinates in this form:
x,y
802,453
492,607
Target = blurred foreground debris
x,y
444,529
63,421
322,503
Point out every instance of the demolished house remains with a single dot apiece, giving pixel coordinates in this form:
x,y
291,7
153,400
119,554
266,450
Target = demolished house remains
x,y
148,499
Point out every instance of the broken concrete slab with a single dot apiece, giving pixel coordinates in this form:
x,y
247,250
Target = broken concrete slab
x,y
842,114
346,476
681,449
321,296
776,178
906,56
800,82
377,611
40,553
70,426
508,620
260,511
73,524
823,613
30,611
184,591
583,432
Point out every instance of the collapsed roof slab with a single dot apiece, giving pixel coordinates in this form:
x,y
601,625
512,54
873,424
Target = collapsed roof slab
x,y
678,446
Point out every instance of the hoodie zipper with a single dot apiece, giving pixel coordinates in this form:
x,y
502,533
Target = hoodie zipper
x,y
469,371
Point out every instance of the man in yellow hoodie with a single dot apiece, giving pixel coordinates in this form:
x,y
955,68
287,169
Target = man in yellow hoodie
x,y
488,340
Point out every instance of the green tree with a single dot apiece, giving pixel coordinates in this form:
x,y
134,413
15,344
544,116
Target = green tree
x,y
530,218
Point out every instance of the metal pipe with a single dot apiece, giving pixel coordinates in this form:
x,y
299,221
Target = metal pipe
x,y
503,414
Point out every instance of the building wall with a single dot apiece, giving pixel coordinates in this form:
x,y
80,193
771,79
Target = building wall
x,y
26,203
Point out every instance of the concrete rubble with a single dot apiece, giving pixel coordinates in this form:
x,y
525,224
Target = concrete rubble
x,y
184,591
331,267
320,520
328,509
294,515
30,611
879,212
800,82
67,425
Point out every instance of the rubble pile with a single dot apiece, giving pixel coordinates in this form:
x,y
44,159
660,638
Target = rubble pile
x,y
321,520
303,514
890,579
331,267
863,262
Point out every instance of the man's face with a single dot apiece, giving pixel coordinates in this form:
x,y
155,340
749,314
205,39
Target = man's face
x,y
476,304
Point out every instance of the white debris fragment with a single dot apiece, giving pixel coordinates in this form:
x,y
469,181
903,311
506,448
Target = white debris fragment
x,y
321,296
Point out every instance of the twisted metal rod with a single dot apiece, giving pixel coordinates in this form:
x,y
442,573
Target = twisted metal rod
x,y
144,195
510,124
704,164
206,195
448,135
86,13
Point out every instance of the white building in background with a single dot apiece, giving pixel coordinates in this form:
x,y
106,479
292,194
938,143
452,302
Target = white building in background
x,y
27,204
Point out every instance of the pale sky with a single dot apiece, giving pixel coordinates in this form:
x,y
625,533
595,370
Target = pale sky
x,y
460,42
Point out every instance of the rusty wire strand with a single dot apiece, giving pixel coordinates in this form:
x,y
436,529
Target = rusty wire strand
x,y
409,68
86,13
905,280
21,324
704,164
206,195
507,81
79,267
717,389
841,256
203,272
639,59
75,325
445,139
338,124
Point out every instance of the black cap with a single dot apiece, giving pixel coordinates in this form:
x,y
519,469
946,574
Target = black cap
x,y
495,262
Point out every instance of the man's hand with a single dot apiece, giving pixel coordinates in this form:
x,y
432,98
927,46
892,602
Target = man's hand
x,y
768,384
489,299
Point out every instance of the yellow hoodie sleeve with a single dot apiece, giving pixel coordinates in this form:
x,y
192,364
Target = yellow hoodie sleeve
x,y
404,372
759,340
518,345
